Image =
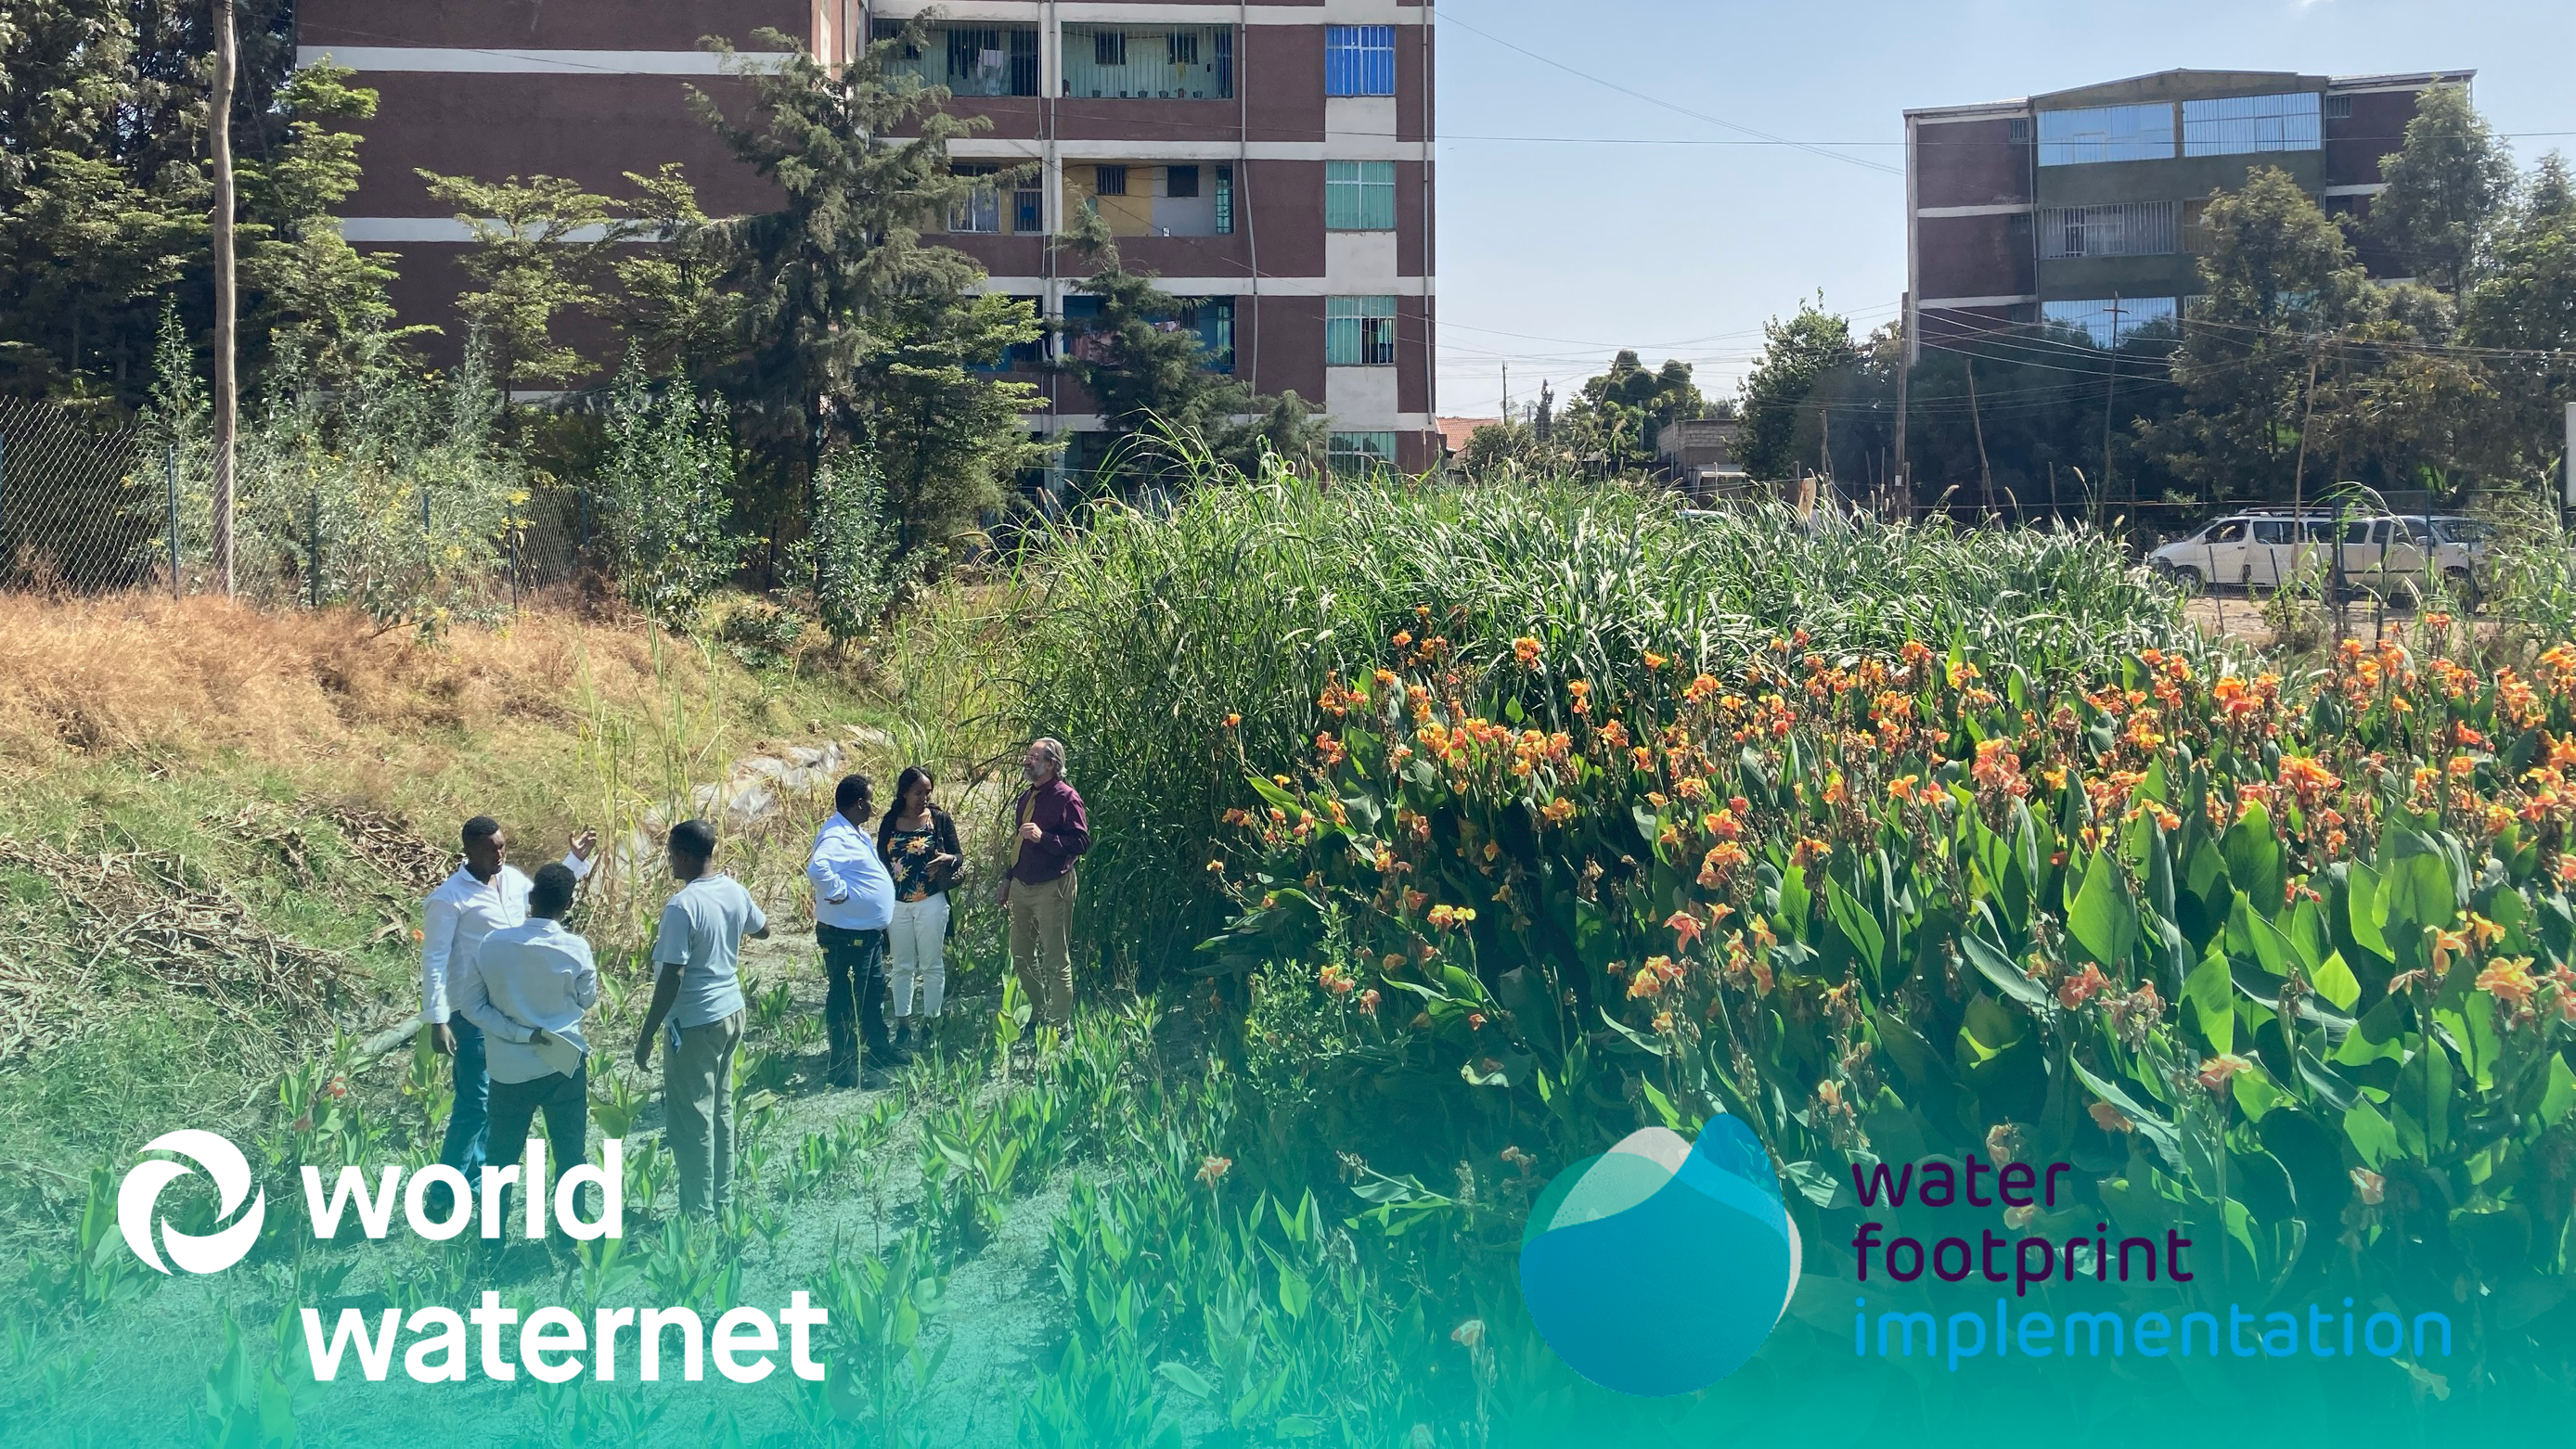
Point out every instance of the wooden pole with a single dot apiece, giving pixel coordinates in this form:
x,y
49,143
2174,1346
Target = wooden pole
x,y
227,383
1904,480
1985,470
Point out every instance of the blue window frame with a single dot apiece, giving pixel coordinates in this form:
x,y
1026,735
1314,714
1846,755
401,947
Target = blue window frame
x,y
1359,60
2109,323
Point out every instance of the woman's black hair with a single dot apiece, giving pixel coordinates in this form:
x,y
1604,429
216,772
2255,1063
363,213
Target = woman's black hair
x,y
912,775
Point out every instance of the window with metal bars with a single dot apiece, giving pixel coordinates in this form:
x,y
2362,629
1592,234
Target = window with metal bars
x,y
1130,63
2125,229
969,60
2251,125
979,210
1225,201
1359,196
1359,452
1359,60
1359,331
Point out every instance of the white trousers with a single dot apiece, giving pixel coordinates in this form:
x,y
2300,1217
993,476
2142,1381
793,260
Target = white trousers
x,y
917,939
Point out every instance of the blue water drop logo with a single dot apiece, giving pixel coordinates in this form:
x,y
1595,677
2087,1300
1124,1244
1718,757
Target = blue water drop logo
x,y
1661,1266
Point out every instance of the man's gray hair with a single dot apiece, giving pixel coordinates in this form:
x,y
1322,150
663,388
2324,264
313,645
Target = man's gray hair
x,y
1050,747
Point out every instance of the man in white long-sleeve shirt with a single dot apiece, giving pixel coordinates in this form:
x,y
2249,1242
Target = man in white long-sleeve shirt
x,y
853,905
484,895
526,990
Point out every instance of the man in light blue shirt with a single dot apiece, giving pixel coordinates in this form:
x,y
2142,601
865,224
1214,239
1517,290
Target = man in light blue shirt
x,y
853,905
485,894
698,993
526,989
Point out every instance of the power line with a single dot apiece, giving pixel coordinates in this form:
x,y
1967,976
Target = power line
x,y
1450,18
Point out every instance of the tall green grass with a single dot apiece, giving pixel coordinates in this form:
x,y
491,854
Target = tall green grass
x,y
1145,630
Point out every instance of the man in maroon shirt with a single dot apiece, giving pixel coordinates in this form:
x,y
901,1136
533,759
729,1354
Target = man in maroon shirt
x,y
1038,880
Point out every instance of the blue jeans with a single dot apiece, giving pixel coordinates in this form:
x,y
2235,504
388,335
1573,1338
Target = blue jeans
x,y
469,1122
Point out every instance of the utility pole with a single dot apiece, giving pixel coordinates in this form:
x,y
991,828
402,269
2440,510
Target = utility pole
x,y
1985,469
227,383
1904,481
2110,394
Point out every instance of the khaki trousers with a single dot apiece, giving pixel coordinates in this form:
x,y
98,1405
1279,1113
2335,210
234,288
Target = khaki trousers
x,y
1040,950
697,1105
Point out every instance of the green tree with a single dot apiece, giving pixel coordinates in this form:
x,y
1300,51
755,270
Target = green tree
x,y
104,198
1150,374
314,296
861,157
534,263
2525,304
2280,287
1621,411
1796,356
671,297
946,433
2447,186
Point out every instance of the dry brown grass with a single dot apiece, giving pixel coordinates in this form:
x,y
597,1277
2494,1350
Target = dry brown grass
x,y
174,680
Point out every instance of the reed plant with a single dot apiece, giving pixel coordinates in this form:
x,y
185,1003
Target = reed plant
x,y
1165,649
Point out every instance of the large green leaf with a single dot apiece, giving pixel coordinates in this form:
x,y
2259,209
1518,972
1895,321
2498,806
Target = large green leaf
x,y
2155,1129
2254,860
2102,918
2211,990
1998,968
1856,923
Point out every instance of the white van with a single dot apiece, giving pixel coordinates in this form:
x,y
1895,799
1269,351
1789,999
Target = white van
x,y
2260,550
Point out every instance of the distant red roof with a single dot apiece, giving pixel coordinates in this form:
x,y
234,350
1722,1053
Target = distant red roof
x,y
1455,431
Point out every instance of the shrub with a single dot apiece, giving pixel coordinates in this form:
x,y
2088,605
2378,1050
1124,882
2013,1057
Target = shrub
x,y
398,493
850,545
666,490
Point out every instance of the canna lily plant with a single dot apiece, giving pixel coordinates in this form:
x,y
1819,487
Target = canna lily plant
x,y
2282,963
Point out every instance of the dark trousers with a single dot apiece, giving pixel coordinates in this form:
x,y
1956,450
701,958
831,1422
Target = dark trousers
x,y
854,1003
466,1123
565,1101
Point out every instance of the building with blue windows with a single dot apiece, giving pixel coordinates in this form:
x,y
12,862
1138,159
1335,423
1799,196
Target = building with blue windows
x,y
2083,208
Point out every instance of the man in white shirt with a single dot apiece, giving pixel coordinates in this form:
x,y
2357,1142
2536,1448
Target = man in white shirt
x,y
853,905
698,993
485,894
527,990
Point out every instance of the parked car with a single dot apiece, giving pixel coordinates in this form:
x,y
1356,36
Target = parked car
x,y
2261,550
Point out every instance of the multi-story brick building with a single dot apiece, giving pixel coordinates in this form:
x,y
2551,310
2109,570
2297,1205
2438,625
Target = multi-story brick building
x,y
1269,159
2083,207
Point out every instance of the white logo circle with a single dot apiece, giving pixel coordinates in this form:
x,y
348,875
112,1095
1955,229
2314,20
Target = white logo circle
x,y
140,1194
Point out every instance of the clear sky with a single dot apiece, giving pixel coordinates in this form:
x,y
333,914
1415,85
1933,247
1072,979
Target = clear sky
x,y
1675,235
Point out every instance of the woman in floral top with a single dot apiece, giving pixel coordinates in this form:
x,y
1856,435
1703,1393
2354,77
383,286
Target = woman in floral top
x,y
919,843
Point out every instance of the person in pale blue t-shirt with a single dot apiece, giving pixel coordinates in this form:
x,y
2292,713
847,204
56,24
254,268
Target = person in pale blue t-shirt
x,y
697,992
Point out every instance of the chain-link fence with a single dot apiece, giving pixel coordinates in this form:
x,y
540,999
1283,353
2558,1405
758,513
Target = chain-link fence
x,y
71,515
93,505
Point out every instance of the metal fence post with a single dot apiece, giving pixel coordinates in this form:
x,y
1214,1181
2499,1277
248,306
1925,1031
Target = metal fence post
x,y
4,489
313,551
170,478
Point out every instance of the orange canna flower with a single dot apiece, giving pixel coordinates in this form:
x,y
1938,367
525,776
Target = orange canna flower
x,y
2509,981
2215,1071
